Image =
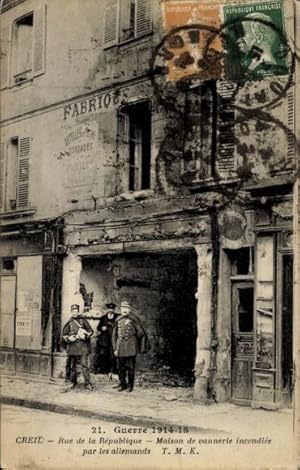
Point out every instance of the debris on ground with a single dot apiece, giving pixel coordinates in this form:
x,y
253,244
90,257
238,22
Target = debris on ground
x,y
170,397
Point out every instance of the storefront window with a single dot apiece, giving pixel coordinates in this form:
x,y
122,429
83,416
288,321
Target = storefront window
x,y
245,310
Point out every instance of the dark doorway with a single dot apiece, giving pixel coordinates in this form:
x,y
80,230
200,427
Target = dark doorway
x,y
287,327
161,288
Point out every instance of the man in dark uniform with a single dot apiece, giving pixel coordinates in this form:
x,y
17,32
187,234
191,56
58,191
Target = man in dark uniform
x,y
127,335
106,360
76,336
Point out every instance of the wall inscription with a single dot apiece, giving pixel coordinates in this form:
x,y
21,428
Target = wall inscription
x,y
78,155
91,105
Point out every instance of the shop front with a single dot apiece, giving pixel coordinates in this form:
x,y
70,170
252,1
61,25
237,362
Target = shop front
x,y
30,285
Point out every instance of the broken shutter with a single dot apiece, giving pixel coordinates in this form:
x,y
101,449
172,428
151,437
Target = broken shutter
x,y
23,173
29,302
39,28
291,126
123,151
111,23
108,166
2,176
4,55
226,157
143,20
7,310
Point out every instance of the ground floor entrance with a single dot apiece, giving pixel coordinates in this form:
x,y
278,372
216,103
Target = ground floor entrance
x,y
161,288
218,313
242,342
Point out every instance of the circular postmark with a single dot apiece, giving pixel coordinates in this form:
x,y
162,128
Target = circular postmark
x,y
178,62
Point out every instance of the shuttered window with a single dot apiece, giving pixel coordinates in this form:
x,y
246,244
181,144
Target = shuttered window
x,y
23,173
226,157
291,125
111,23
28,46
14,174
143,21
126,19
39,30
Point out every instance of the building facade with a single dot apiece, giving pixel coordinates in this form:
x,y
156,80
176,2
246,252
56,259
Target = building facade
x,y
119,183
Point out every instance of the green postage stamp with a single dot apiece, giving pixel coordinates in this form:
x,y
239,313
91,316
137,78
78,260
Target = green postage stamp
x,y
255,40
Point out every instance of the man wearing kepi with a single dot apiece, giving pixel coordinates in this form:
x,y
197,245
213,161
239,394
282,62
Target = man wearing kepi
x,y
127,336
76,336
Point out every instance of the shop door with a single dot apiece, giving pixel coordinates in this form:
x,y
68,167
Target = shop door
x,y
287,327
7,311
242,342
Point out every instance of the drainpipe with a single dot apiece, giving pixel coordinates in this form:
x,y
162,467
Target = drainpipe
x,y
296,221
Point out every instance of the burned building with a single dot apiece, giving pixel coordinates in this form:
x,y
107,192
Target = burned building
x,y
127,174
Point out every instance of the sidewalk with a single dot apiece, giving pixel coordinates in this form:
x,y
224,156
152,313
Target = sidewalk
x,y
145,406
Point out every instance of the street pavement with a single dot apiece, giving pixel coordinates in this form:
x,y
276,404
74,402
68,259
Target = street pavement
x,y
256,435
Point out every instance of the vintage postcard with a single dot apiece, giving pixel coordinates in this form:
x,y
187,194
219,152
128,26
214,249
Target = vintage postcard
x,y
149,234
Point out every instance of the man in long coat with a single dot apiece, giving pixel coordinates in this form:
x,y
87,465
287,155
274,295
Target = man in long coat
x,y
76,336
106,360
127,335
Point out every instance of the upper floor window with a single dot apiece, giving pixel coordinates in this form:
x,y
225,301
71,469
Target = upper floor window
x,y
14,174
135,141
11,175
199,133
23,48
126,19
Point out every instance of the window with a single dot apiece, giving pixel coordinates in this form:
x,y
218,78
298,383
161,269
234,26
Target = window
x,y
135,121
242,261
11,175
14,174
199,133
126,19
245,309
23,48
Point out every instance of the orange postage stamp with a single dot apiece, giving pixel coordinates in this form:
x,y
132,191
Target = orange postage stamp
x,y
193,47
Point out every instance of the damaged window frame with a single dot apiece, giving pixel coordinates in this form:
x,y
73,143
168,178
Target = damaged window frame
x,y
135,127
200,171
235,271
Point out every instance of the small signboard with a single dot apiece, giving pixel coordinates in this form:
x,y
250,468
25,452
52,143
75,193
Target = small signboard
x,y
23,326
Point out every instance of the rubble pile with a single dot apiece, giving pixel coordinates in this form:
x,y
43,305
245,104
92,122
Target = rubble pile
x,y
163,376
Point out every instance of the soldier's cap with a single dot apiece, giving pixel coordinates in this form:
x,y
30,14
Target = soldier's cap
x,y
110,305
75,307
124,303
